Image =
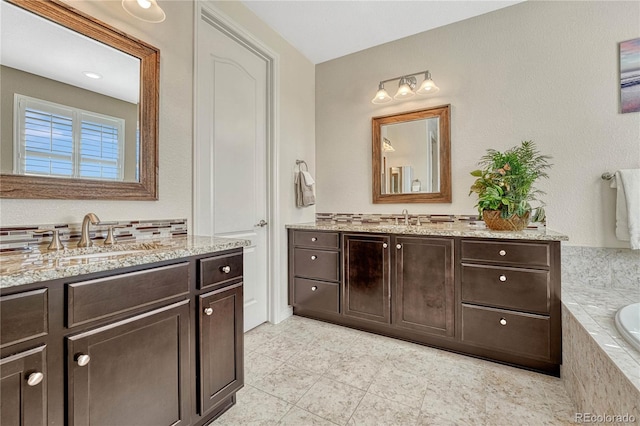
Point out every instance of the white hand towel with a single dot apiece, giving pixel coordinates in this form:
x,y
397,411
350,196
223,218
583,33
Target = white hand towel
x,y
627,182
308,191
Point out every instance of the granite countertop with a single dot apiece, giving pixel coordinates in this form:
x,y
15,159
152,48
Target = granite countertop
x,y
448,229
25,267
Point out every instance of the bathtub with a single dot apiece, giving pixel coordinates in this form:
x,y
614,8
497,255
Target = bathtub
x,y
628,324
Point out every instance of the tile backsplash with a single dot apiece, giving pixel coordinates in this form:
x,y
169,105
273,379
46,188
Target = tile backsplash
x,y
23,237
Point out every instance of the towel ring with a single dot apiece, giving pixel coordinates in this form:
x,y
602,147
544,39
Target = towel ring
x,y
299,163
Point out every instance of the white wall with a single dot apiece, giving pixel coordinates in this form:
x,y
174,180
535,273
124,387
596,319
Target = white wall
x,y
546,71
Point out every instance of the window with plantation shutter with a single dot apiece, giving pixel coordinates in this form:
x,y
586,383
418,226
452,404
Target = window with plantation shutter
x,y
61,141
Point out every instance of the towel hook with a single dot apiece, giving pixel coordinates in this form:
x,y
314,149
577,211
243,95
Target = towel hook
x,y
299,163
607,176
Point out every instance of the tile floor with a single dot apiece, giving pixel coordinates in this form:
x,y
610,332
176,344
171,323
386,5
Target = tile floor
x,y
305,372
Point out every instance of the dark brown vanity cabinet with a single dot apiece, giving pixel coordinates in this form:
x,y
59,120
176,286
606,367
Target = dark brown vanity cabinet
x,y
155,344
510,294
221,346
132,371
23,388
367,290
314,271
492,298
424,285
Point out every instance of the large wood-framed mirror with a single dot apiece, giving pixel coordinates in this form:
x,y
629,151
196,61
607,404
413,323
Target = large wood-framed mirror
x,y
105,121
412,157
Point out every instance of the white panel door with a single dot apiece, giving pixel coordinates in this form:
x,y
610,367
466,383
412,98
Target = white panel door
x,y
231,141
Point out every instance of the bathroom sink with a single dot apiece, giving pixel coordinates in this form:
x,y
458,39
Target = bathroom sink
x,y
103,254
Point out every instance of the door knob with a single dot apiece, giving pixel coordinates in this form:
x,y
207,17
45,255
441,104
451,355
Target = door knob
x,y
83,359
262,223
503,278
35,378
502,252
314,288
503,321
226,269
398,246
208,311
314,257
385,245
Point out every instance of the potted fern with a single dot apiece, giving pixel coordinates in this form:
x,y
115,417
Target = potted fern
x,y
504,185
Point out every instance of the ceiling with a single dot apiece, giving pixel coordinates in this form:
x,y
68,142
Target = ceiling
x,y
325,30
38,46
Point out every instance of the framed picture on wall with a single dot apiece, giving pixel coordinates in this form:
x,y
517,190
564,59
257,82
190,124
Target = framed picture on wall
x,y
630,75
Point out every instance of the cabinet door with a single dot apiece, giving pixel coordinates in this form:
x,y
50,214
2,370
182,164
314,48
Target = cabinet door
x,y
424,293
366,277
134,371
23,388
221,345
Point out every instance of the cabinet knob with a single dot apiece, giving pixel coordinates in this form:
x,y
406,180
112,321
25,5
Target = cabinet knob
x,y
314,257
385,245
314,288
502,252
398,246
503,278
208,311
226,269
35,378
83,359
314,239
503,321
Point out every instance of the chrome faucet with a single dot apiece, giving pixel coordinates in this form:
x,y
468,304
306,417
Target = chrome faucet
x,y
85,241
405,212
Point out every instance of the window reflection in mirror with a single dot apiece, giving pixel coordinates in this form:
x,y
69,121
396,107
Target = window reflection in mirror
x,y
411,157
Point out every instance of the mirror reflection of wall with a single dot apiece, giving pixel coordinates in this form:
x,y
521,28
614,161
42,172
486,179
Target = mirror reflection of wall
x,y
410,157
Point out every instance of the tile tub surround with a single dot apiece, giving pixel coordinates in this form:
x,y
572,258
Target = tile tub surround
x,y
444,229
18,268
600,369
307,372
22,237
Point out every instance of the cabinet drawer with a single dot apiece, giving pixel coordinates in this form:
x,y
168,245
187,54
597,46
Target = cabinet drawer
x,y
219,270
316,295
23,316
316,264
316,239
511,288
523,334
103,297
526,254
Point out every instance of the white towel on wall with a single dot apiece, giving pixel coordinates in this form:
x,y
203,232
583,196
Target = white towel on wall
x,y
305,191
627,182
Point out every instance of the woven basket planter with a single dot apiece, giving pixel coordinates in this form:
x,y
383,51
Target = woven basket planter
x,y
497,223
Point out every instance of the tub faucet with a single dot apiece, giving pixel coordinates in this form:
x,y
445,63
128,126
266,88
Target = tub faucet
x,y
405,212
85,241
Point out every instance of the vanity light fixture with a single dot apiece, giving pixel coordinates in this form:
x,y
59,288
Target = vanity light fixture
x,y
145,10
386,145
406,85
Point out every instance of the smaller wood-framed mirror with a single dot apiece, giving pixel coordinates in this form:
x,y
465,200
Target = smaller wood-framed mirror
x,y
102,143
412,157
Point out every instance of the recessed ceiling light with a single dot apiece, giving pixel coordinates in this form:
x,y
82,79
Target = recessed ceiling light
x,y
90,74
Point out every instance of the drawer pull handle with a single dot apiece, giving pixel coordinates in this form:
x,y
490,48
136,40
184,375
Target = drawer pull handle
x,y
503,278
502,252
503,321
314,257
398,246
226,269
314,239
208,311
83,359
385,245
35,378
314,288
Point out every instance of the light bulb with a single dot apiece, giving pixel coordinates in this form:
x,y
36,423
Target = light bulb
x,y
145,4
381,97
428,87
404,91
